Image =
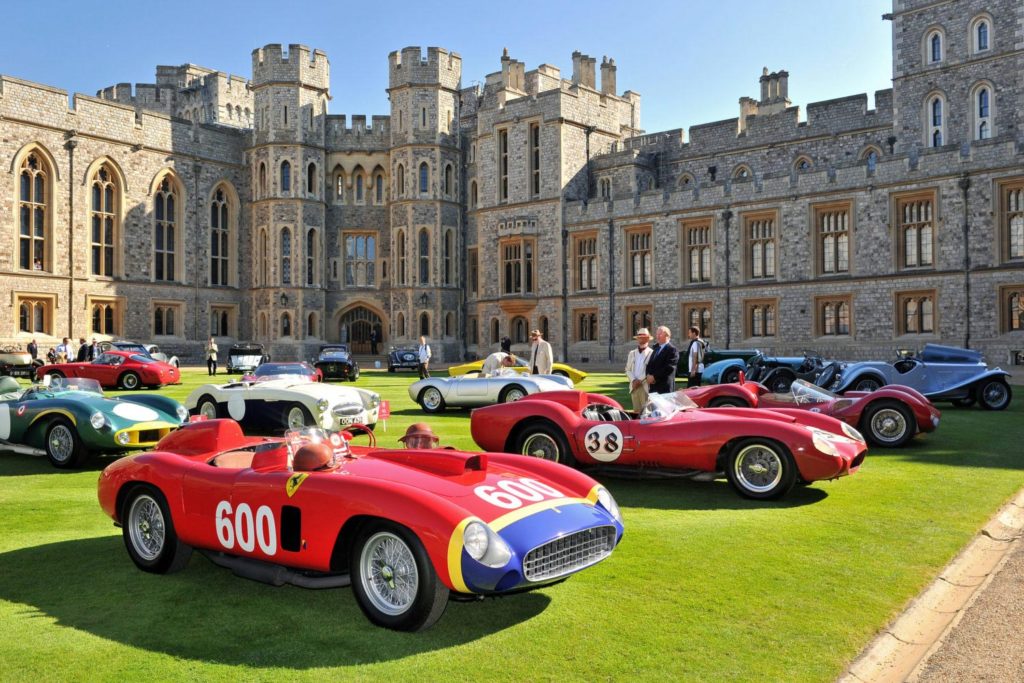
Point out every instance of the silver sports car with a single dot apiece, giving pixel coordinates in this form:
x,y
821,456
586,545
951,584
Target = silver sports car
x,y
434,394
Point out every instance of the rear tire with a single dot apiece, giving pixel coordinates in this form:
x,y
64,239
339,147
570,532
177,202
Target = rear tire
x,y
779,383
129,381
731,376
295,416
64,447
888,424
761,469
993,394
208,407
867,384
148,532
545,441
511,393
393,579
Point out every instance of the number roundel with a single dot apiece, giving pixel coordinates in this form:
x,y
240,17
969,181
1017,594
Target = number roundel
x,y
603,442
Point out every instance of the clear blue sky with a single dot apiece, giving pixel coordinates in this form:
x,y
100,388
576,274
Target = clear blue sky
x,y
690,61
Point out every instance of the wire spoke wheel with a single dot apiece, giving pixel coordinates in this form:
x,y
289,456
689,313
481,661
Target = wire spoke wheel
x,y
541,445
758,468
888,425
389,575
61,443
296,418
146,527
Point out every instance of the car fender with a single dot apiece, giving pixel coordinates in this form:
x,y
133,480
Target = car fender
x,y
858,373
713,373
987,375
495,427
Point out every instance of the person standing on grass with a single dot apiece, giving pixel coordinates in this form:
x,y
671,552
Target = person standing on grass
x,y
33,349
211,357
661,366
636,369
694,358
540,354
424,357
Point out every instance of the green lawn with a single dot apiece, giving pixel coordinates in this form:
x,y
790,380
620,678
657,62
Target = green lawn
x,y
705,586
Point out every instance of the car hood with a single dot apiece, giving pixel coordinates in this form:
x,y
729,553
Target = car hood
x,y
467,479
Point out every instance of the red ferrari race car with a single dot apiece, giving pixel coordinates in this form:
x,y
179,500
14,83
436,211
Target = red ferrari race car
x,y
113,369
763,453
888,417
404,528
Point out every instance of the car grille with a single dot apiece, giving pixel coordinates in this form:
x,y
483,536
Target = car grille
x,y
146,437
351,409
569,553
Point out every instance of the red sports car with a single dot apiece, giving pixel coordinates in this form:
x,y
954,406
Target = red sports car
x,y
404,527
113,369
763,453
888,417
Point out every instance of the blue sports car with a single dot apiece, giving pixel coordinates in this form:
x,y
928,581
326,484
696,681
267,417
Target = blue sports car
x,y
941,373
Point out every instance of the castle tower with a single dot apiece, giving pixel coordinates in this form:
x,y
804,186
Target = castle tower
x,y
290,93
426,218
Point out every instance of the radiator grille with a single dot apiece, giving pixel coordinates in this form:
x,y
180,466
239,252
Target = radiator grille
x,y
569,553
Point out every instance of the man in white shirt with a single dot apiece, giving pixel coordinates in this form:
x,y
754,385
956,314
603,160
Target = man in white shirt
x,y
64,351
424,357
540,354
636,369
495,362
694,358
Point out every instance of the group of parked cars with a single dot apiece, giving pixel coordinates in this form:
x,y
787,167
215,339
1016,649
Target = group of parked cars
x,y
260,474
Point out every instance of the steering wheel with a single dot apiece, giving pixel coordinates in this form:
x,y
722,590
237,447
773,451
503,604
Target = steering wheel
x,y
356,428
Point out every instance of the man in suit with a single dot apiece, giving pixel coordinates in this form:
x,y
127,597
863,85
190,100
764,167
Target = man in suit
x,y
540,354
661,366
636,369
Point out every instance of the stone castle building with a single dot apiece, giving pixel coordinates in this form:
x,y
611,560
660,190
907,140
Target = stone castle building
x,y
206,204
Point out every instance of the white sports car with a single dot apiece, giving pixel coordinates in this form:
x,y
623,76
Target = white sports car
x,y
277,402
434,394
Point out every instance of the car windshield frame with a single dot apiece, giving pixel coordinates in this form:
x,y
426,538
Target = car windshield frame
x,y
62,385
294,378
283,370
662,407
805,392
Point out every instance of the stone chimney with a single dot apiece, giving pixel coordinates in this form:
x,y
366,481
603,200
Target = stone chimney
x,y
584,70
774,91
608,76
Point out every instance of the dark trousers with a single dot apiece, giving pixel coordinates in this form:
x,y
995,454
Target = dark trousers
x,y
211,366
693,380
424,370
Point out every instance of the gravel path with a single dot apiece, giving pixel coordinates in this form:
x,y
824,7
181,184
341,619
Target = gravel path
x,y
986,644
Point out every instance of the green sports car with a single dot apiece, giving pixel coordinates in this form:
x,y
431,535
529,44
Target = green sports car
x,y
68,419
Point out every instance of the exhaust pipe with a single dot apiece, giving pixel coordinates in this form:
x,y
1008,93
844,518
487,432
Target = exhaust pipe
x,y
274,574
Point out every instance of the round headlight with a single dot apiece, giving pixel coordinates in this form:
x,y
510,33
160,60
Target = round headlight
x,y
182,413
323,404
474,538
823,444
604,497
485,546
852,433
123,438
97,420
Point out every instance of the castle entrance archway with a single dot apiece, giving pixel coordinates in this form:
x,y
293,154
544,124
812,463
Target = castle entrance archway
x,y
355,327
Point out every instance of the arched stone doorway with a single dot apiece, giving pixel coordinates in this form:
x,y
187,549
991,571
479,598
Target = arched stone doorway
x,y
355,327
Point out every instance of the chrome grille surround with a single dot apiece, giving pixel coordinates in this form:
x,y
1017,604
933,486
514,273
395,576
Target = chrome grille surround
x,y
569,553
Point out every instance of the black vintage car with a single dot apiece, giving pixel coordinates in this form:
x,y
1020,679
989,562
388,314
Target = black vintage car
x,y
403,359
245,357
335,362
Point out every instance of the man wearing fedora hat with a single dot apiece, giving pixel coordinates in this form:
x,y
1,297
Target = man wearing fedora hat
x,y
540,354
636,369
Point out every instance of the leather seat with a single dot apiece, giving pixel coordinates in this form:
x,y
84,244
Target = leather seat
x,y
234,460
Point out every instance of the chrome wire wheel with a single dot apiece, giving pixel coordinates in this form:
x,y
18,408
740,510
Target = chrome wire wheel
x,y
432,399
889,425
296,418
758,468
867,384
995,395
388,573
146,527
541,445
61,443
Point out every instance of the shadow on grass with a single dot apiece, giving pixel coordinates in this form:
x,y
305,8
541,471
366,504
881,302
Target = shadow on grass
x,y
683,494
205,613
19,464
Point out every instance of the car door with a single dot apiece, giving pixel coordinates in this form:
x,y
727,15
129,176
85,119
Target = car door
x,y
103,369
472,390
265,515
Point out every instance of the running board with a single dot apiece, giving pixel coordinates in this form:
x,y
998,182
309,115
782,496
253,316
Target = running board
x,y
274,574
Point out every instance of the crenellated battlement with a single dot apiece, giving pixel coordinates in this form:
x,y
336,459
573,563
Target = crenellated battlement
x,y
358,135
408,66
299,64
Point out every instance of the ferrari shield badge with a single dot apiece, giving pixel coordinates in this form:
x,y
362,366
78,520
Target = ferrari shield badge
x,y
294,482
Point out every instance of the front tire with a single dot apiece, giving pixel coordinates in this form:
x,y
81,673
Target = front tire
x,y
129,380
393,579
761,469
731,376
431,400
779,383
888,424
545,441
64,447
994,394
867,384
296,416
207,407
727,402
149,535
511,393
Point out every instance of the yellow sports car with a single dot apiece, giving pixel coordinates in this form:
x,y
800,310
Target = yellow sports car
x,y
562,369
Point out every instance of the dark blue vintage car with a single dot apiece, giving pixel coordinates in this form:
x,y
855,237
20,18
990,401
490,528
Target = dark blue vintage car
x,y
941,373
335,362
403,358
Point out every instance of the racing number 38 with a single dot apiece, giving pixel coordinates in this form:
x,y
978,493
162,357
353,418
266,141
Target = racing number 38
x,y
603,442
245,528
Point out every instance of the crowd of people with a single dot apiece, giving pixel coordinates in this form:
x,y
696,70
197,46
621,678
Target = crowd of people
x,y
67,351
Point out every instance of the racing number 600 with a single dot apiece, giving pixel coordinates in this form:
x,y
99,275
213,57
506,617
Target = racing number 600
x,y
247,529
